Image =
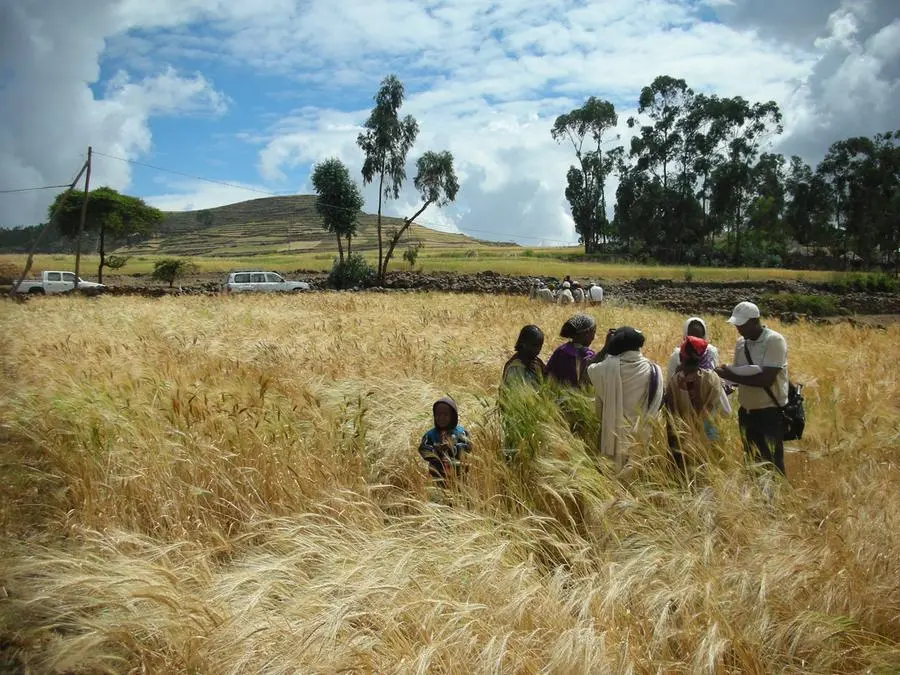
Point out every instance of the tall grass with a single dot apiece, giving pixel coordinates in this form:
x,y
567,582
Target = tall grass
x,y
230,485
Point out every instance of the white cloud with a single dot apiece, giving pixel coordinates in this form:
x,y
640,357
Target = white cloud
x,y
193,195
485,81
854,88
494,107
50,114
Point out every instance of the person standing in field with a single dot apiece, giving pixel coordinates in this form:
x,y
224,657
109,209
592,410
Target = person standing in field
x,y
577,292
628,392
694,394
761,372
693,327
525,365
444,446
594,294
564,297
568,362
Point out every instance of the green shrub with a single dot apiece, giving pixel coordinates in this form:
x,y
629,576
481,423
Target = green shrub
x,y
351,272
874,282
116,262
815,305
688,274
411,254
171,269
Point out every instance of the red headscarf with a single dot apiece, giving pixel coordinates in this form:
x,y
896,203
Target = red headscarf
x,y
697,346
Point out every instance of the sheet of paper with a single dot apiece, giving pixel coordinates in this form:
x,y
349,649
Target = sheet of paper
x,y
743,371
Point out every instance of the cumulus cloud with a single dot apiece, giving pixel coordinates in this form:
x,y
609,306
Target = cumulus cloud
x,y
489,87
853,86
51,114
194,195
485,81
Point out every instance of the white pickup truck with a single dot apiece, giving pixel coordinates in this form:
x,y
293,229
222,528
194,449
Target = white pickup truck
x,y
57,282
262,282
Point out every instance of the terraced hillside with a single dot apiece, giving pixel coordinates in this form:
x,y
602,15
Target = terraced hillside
x,y
273,225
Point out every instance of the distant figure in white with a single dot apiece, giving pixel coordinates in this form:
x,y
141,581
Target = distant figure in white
x,y
577,292
564,297
540,292
594,294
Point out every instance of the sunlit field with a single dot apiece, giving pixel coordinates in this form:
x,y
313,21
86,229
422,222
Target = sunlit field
x,y
231,485
504,260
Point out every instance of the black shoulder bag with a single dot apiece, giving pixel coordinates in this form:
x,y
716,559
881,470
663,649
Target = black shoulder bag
x,y
793,414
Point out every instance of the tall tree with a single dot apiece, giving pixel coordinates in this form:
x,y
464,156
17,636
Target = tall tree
x,y
108,213
807,205
765,224
665,148
666,102
639,221
437,184
586,183
863,175
339,201
699,143
386,141
887,147
740,128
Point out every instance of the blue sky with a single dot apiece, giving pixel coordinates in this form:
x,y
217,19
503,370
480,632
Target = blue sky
x,y
253,94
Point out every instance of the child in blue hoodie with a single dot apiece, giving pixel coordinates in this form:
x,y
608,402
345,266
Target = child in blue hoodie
x,y
444,445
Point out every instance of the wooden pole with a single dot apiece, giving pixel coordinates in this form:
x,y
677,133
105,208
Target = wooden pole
x,y
87,190
37,239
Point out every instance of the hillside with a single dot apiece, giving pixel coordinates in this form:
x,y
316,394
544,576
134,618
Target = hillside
x,y
274,225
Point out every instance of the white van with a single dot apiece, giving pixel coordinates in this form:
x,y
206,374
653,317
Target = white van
x,y
262,282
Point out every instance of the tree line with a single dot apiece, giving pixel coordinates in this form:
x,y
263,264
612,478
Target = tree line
x,y
696,185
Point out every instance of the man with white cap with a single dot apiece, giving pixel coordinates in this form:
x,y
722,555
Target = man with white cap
x,y
763,387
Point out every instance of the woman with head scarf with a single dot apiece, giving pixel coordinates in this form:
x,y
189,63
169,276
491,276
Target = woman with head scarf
x,y
693,327
693,395
568,362
628,389
525,366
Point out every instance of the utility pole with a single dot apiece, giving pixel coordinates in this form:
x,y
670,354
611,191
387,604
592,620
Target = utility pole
x,y
84,204
37,239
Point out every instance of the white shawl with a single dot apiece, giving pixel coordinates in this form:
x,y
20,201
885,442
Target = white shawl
x,y
622,386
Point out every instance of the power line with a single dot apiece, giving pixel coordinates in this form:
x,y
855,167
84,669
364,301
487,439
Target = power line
x,y
268,193
33,189
188,175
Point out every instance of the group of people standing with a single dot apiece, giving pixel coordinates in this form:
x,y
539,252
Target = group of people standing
x,y
630,390
568,292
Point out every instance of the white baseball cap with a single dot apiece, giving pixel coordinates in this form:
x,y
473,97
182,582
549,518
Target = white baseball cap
x,y
566,284
743,312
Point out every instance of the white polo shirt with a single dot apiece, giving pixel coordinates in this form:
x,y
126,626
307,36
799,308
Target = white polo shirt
x,y
595,293
767,351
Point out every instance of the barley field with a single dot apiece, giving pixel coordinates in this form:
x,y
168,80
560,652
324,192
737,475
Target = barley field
x,y
231,485
547,262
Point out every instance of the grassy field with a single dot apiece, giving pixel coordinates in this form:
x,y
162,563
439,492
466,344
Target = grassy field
x,y
230,485
505,260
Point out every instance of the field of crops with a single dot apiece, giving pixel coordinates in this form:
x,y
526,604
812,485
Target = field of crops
x,y
503,260
230,485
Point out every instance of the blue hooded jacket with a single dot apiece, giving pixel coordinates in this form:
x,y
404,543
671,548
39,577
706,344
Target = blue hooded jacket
x,y
457,438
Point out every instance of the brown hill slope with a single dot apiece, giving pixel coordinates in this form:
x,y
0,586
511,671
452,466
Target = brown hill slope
x,y
274,225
